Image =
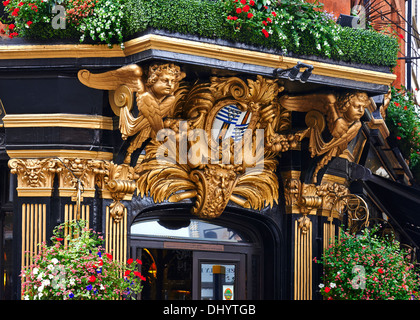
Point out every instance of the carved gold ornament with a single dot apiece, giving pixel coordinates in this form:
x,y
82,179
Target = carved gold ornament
x,y
217,141
342,112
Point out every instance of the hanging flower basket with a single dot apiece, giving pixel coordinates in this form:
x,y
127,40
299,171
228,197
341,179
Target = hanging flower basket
x,y
75,266
368,267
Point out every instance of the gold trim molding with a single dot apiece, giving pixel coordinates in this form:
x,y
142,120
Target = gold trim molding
x,y
58,120
59,153
158,42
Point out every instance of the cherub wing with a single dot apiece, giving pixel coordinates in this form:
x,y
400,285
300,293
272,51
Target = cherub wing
x,y
129,76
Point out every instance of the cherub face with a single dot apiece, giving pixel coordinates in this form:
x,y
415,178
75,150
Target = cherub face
x,y
356,110
164,85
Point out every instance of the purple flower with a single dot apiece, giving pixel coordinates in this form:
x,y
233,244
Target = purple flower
x,y
89,287
71,295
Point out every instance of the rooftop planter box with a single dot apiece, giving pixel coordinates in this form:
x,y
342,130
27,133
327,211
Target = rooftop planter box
x,y
292,28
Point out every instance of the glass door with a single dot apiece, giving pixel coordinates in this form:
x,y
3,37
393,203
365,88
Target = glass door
x,y
219,276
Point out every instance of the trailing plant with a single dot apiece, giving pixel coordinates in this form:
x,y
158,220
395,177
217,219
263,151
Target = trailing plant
x,y
368,267
403,121
75,266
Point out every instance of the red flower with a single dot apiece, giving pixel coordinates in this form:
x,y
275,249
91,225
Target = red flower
x,y
380,270
274,13
20,4
398,138
243,1
401,36
397,104
264,23
238,10
139,261
246,8
58,239
127,273
29,23
15,12
13,34
136,273
109,256
35,8
5,3
92,279
327,289
101,262
252,2
234,18
269,20
399,123
405,107
250,15
11,27
142,278
265,33
130,261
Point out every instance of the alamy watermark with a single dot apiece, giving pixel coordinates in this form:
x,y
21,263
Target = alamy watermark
x,y
59,20
247,149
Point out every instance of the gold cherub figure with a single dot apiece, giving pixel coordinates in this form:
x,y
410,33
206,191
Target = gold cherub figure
x,y
154,98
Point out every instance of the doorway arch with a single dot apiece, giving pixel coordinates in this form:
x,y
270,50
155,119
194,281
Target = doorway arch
x,y
247,245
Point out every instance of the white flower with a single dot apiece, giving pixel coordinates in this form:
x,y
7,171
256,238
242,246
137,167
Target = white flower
x,y
54,260
71,282
321,285
35,271
41,288
40,295
332,285
50,267
46,282
102,287
26,297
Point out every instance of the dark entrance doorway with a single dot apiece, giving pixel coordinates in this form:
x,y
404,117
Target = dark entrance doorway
x,y
196,259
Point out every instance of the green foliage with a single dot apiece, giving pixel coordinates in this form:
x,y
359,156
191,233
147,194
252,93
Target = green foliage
x,y
368,267
290,26
403,121
76,267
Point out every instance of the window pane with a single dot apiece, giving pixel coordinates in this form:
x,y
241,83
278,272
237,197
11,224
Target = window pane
x,y
196,229
217,289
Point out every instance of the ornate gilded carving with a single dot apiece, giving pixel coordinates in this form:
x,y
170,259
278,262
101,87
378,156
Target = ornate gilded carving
x,y
154,98
342,111
119,180
303,198
218,141
214,175
34,175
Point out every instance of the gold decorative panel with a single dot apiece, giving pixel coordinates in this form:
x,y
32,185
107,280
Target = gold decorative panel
x,y
116,235
303,260
33,231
